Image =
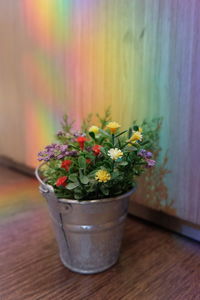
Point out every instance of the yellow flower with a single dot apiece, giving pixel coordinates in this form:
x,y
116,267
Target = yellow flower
x,y
102,176
113,126
137,136
140,130
94,129
115,153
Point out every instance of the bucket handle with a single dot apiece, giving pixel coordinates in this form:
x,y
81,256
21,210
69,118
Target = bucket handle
x,y
41,188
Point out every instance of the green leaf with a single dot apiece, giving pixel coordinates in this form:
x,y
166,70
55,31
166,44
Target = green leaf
x,y
104,132
103,151
115,174
119,143
92,173
84,179
73,177
104,190
72,186
108,164
78,196
75,147
123,163
110,145
92,135
130,149
135,127
130,132
145,143
121,133
82,162
140,163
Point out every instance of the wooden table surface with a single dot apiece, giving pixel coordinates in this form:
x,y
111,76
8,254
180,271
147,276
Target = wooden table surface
x,y
154,264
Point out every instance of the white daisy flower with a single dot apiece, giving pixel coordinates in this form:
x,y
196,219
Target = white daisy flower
x,y
115,153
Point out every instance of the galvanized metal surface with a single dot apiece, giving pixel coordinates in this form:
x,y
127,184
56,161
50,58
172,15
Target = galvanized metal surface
x,y
88,233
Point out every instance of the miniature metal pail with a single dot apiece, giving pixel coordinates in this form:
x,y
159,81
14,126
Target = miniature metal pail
x,y
88,233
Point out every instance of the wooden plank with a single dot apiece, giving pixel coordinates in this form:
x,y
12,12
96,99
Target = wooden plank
x,y
141,57
154,264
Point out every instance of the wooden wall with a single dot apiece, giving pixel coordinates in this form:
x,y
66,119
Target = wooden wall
x,y
139,56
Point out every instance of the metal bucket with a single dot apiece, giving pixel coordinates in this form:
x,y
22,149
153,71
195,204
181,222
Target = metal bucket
x,y
88,233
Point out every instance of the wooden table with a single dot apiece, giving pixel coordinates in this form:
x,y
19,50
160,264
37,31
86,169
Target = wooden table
x,y
154,265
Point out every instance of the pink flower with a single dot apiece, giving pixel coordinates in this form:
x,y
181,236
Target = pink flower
x,y
150,163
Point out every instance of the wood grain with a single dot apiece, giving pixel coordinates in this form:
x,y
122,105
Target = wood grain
x,y
139,56
154,264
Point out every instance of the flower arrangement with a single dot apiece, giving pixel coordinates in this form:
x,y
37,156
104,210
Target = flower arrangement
x,y
98,162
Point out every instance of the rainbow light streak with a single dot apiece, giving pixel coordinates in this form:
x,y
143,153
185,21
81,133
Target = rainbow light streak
x,y
45,78
83,57
47,22
39,128
21,196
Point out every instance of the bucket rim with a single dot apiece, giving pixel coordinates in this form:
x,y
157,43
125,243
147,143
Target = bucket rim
x,y
74,201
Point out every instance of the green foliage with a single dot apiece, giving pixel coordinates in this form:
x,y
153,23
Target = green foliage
x,y
81,183
151,130
105,119
84,179
66,124
72,186
82,162
73,177
92,135
86,123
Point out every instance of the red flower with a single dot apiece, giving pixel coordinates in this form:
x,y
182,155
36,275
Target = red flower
x,y
88,161
96,149
66,164
61,181
81,140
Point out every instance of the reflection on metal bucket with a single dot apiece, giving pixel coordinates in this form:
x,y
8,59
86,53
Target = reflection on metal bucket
x,y
88,233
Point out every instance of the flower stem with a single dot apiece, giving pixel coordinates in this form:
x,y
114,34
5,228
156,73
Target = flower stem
x,y
97,191
125,145
82,186
113,165
113,139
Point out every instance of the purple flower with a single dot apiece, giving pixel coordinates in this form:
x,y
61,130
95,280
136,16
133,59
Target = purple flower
x,y
60,133
148,154
72,153
88,149
60,156
53,151
62,148
78,133
150,163
145,154
142,153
